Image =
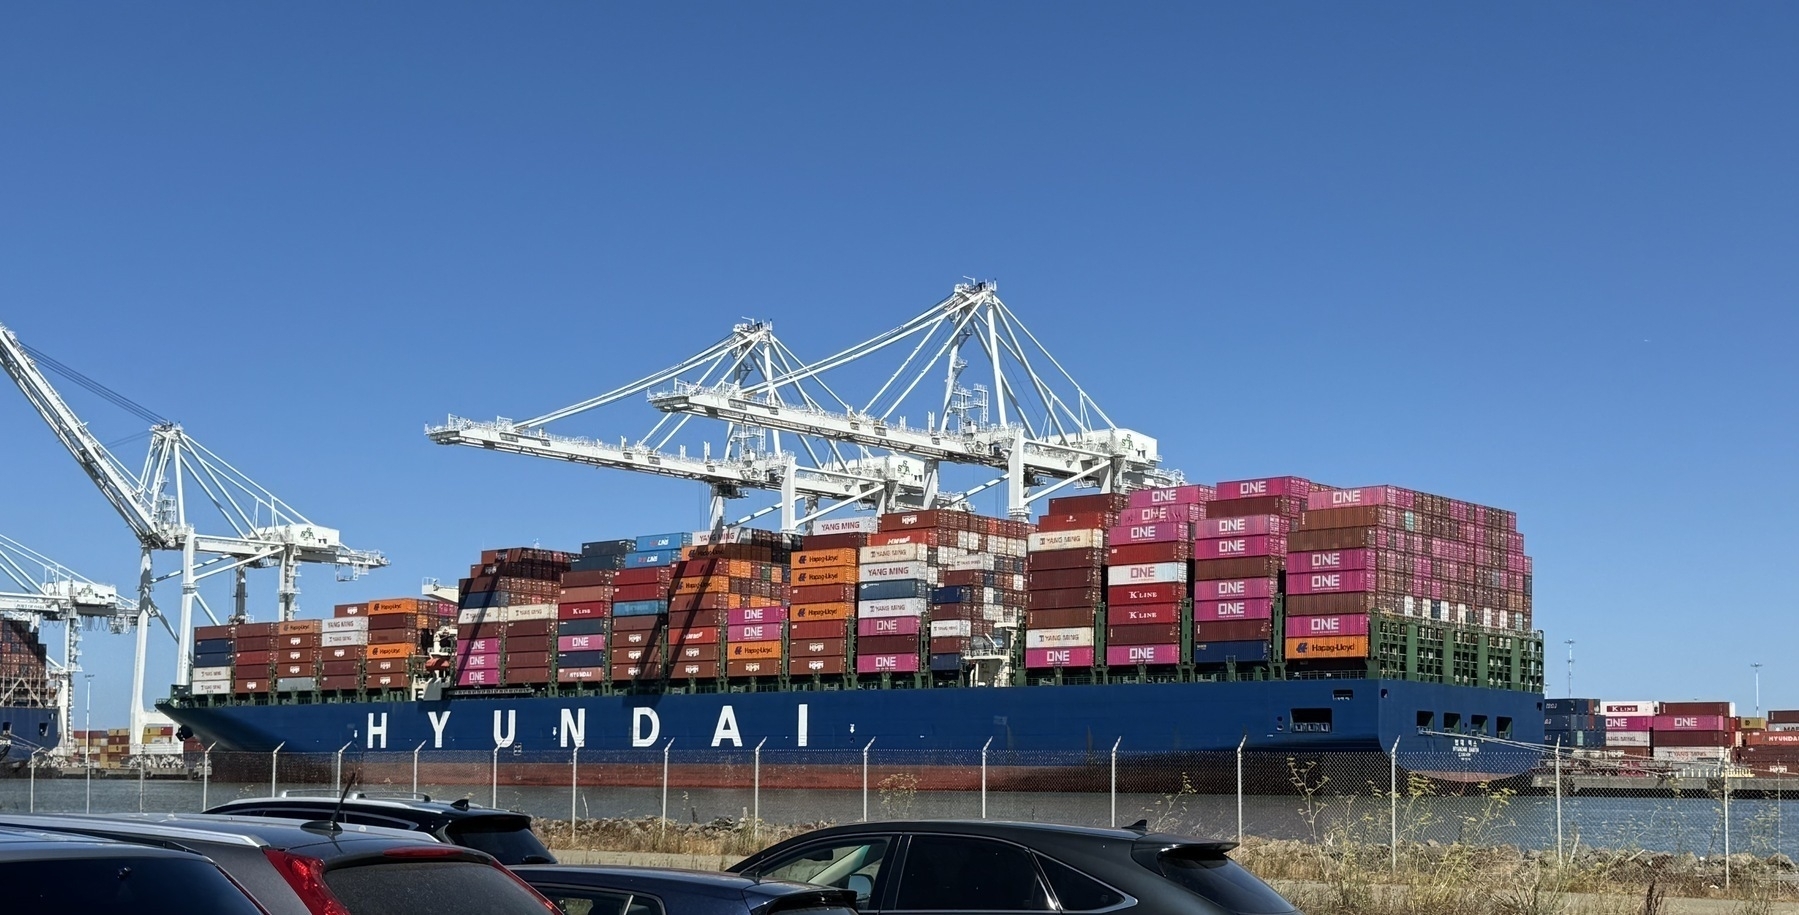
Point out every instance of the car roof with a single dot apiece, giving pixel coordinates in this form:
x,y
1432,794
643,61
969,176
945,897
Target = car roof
x,y
1007,829
418,803
216,829
34,844
657,879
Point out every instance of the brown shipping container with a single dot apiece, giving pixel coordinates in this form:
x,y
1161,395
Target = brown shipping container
x,y
1063,579
887,644
1783,716
250,685
346,682
382,621
696,619
580,674
387,681
203,633
950,645
899,521
694,670
1285,506
518,676
621,672
824,594
298,656
638,623
1693,738
1064,599
249,659
589,578
764,668
1077,521
1245,567
255,630
818,629
710,635
696,653
341,668
387,665
646,576
480,631
343,610
928,537
637,638
1233,631
254,643
650,591
393,636
1049,560
835,648
298,627
308,669
1150,634
836,542
643,654
529,627
1081,617
1337,518
527,659
807,665
1091,502
1330,604
1721,709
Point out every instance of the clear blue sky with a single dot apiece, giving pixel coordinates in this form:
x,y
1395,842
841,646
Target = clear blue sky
x,y
1539,257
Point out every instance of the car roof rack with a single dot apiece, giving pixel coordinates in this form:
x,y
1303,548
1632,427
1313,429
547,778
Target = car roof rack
x,y
358,795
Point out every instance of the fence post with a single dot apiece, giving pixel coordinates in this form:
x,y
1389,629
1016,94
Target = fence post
x,y
495,781
142,765
1726,770
415,766
1558,802
1114,789
31,806
756,791
984,747
274,764
574,789
1240,745
206,776
1393,809
871,743
337,768
665,748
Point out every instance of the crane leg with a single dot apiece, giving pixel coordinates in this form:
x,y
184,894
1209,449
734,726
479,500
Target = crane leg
x,y
240,612
144,587
290,588
184,636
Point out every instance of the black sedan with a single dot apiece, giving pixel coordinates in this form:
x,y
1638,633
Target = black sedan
x,y
986,866
669,891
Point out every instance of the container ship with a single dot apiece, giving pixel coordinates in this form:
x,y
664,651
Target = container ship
x,y
28,694
1270,614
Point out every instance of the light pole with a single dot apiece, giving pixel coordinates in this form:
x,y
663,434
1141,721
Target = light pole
x,y
1758,688
1570,644
87,738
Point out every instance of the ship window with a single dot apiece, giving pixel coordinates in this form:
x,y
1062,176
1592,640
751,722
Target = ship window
x,y
1427,720
1505,726
1452,722
1311,720
43,729
1478,723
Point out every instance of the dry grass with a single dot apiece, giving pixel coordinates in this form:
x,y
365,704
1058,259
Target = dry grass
x,y
724,837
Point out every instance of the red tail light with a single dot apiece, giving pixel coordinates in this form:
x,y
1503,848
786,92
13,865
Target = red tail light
x,y
307,877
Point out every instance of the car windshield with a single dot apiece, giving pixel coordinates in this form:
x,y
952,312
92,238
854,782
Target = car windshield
x,y
508,838
1222,881
138,885
431,888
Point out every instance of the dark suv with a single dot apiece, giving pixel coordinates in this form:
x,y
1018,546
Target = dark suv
x,y
982,865
49,873
319,868
502,833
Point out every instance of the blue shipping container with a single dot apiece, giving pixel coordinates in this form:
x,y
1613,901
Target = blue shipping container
x,y
644,560
893,590
639,607
213,646
650,542
1570,706
1575,738
607,548
581,659
589,626
213,660
1221,652
597,563
482,600
953,594
946,662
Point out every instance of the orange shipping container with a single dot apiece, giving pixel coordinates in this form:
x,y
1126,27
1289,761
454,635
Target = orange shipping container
x,y
299,627
835,575
1336,646
395,605
753,651
712,584
391,651
824,559
842,610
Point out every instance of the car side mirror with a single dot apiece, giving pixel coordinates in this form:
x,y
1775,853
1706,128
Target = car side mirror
x,y
864,888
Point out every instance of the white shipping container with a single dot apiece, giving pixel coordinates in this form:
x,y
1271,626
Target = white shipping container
x,y
1627,738
1066,540
1058,638
978,562
212,687
846,526
211,674
873,609
483,615
1146,573
896,571
1693,754
530,612
897,552
343,639
1632,708
346,624
951,629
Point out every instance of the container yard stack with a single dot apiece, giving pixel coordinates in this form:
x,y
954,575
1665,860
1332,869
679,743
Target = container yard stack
x,y
1443,587
896,573
254,661
1626,723
584,612
24,668
641,591
1239,554
297,656
1065,585
1149,567
1774,749
821,615
733,584
1573,723
1694,732
507,607
215,648
975,614
343,647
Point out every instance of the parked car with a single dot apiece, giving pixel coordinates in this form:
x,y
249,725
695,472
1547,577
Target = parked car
x,y
982,865
502,833
50,873
319,868
669,891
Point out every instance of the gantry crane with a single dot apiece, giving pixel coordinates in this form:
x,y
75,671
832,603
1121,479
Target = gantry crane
x,y
35,589
265,532
822,473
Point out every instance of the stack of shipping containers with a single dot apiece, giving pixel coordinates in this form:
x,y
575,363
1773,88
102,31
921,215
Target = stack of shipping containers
x,y
1626,725
895,575
24,668
821,616
1149,568
1065,581
1238,558
640,608
1774,747
507,609
976,611
744,595
584,611
1694,732
1573,723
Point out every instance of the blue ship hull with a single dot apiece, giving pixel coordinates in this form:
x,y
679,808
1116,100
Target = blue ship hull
x,y
24,731
1294,716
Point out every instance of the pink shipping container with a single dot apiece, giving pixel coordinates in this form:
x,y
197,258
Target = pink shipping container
x,y
1330,582
889,625
1157,532
487,676
1233,589
1301,627
1174,495
1267,486
478,646
886,663
1237,547
1126,655
1058,657
1180,514
1249,526
1633,723
1333,560
478,661
1146,573
753,632
581,643
1365,495
1217,611
1690,723
747,615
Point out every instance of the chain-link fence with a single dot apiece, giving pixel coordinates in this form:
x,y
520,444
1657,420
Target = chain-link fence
x,y
1561,806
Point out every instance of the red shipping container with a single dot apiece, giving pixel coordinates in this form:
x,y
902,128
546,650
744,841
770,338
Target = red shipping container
x,y
393,636
1077,521
1240,547
1693,738
1063,579
580,674
1252,567
887,644
888,625
528,643
1143,635
1222,611
584,610
519,676
706,636
1127,655
387,665
1137,614
1157,593
1246,526
1669,709
653,591
887,663
336,682
928,537
818,629
387,681
525,659
1154,532
341,669
1136,554
247,659
1052,560
622,672
1090,502
1064,599
811,665
657,575
1058,657
770,668
244,643
1241,631
1299,627
837,647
